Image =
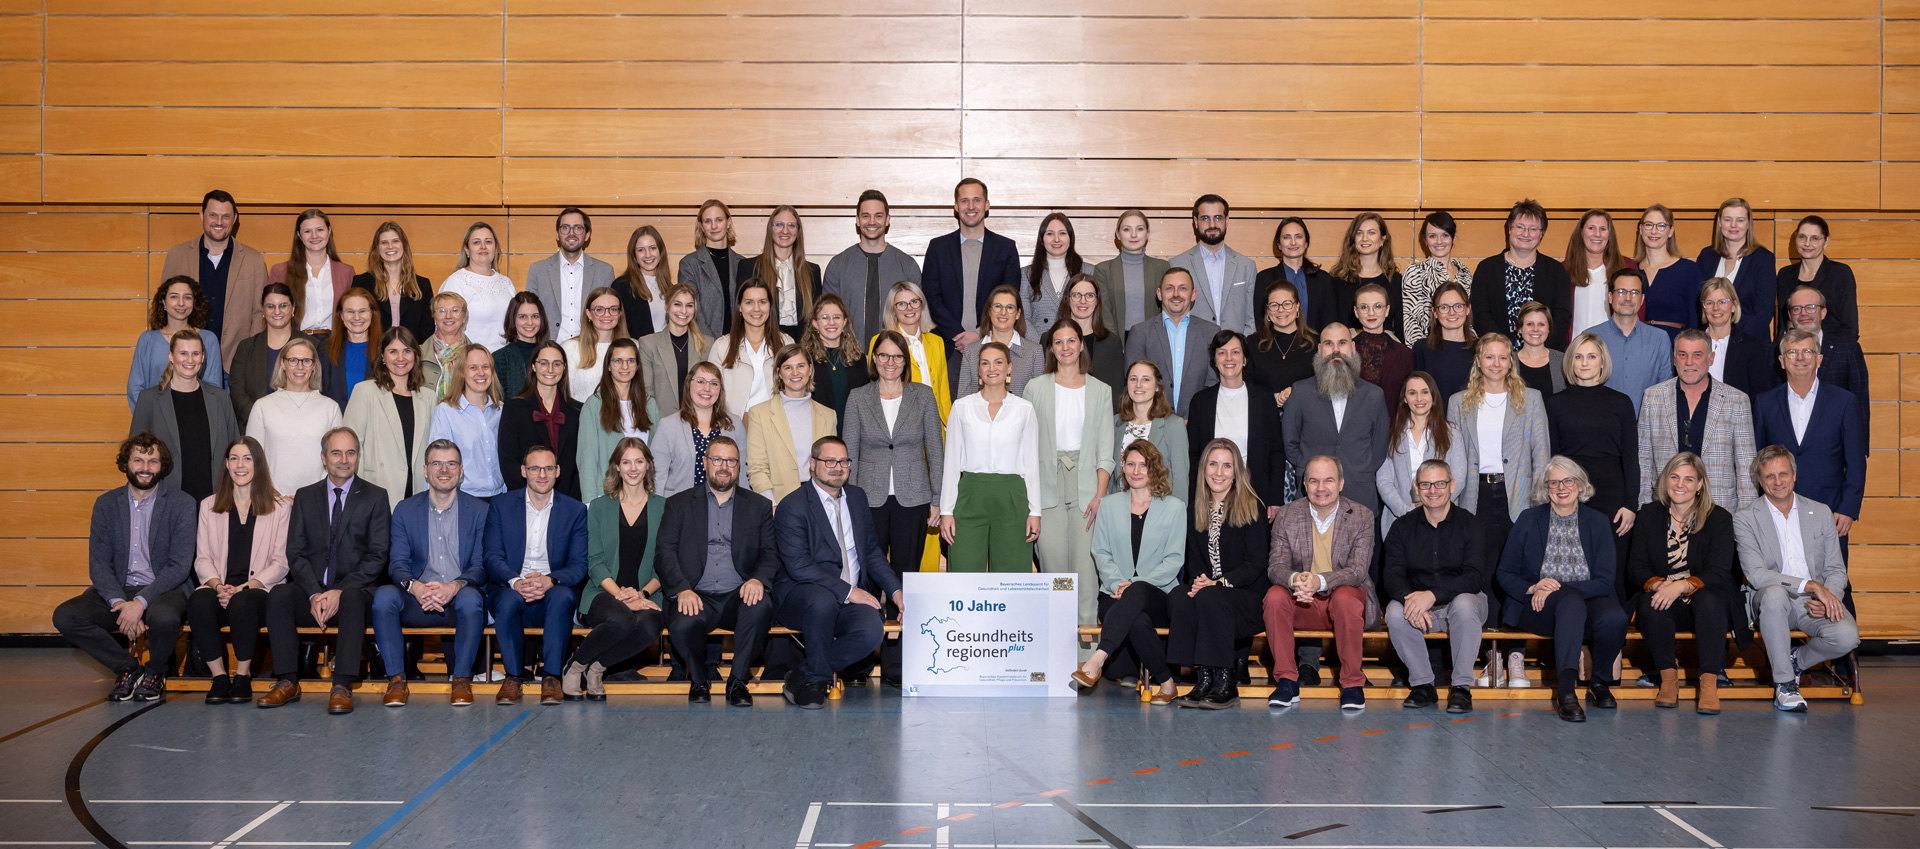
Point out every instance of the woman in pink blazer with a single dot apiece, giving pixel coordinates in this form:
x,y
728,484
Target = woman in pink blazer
x,y
241,554
314,272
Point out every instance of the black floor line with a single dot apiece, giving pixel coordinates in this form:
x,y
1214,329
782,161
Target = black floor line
x,y
1299,834
1112,839
53,719
1863,811
79,805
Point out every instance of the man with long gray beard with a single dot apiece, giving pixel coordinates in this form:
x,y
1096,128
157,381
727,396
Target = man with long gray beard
x,y
1337,414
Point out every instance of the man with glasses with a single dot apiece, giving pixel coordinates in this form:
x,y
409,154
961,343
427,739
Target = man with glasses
x,y
1222,277
437,564
563,280
1841,362
863,273
716,558
536,556
1436,568
1817,423
1638,350
1693,412
829,560
1176,341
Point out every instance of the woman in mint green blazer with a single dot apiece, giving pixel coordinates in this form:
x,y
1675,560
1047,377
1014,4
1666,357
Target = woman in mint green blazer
x,y
1138,550
608,416
1075,414
621,601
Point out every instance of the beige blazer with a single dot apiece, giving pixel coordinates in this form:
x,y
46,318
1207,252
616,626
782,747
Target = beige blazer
x,y
771,463
267,563
375,418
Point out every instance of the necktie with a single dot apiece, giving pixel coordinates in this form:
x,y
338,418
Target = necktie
x,y
847,571
333,531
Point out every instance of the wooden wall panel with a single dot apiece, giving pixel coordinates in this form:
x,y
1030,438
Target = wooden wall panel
x,y
81,371
54,418
66,324
693,85
315,180
1572,88
1176,135
163,38
19,129
266,7
1714,9
29,610
1841,185
275,132
787,38
756,132
1199,8
449,85
753,181
1333,88
20,82
20,179
1031,182
1645,42
1706,137
1903,89
1179,40
72,231
70,275
20,36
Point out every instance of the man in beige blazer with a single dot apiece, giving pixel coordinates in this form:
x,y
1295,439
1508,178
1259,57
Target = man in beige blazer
x,y
231,273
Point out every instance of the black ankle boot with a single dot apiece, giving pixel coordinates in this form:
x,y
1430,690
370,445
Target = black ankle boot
x,y
1202,687
1225,693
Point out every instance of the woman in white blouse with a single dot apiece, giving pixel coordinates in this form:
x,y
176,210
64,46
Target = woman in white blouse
x,y
745,354
289,423
1593,255
1418,434
1076,451
602,320
989,489
485,289
783,265
314,272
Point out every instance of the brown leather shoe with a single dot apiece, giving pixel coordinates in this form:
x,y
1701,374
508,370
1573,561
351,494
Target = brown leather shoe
x,y
462,693
283,692
509,693
1160,699
340,701
550,691
396,692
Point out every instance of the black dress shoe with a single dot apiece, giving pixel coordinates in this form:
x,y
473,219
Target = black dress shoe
x,y
737,695
1309,676
1460,700
1600,696
1202,686
698,693
1569,707
1242,673
1423,696
241,692
217,690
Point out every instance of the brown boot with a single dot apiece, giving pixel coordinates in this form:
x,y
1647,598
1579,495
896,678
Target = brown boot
x,y
550,690
461,694
396,692
1669,696
1709,704
509,692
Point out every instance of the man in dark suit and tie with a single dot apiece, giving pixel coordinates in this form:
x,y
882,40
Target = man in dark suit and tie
x,y
536,554
1817,422
336,550
139,553
716,559
438,570
828,556
963,267
1176,341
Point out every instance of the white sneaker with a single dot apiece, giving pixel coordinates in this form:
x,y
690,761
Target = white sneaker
x,y
1491,674
1517,670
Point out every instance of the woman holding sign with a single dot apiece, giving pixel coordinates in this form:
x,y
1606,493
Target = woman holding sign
x,y
1137,549
989,489
1226,578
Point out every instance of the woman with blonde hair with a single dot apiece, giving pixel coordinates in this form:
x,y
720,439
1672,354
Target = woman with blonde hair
x,y
1137,553
1736,255
709,270
836,356
1741,361
621,600
478,280
1127,282
289,423
391,413
240,556
449,338
1223,580
1597,426
469,416
666,354
906,314
783,266
194,418
1682,573
400,294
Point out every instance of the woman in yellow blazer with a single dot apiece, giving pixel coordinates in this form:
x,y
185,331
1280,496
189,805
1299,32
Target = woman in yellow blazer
x,y
926,365
391,413
240,555
776,447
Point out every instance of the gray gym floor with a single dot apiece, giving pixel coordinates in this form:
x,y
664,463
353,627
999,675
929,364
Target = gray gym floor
x,y
874,769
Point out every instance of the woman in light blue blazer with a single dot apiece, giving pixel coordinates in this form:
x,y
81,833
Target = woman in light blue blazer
x,y
1418,434
1076,457
1139,545
179,304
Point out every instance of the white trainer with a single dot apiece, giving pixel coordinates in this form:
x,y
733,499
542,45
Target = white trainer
x,y
1517,670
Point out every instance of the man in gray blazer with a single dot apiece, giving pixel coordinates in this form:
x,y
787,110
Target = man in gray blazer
x,y
1337,414
1790,553
1192,371
1222,276
140,552
563,280
1724,439
861,275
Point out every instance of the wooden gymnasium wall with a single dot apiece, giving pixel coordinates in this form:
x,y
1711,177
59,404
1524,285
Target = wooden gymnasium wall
x,y
115,115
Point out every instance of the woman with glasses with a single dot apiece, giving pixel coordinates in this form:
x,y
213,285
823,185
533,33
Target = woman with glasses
x,y
601,322
1833,278
449,338
1384,361
1283,347
1673,283
542,414
1005,322
892,430
527,327
682,438
256,356
1740,361
1447,351
836,356
1106,351
783,266
1506,280
1424,278
289,423
620,407
469,416
926,351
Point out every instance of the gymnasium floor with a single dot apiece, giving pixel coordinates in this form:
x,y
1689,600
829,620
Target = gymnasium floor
x,y
873,769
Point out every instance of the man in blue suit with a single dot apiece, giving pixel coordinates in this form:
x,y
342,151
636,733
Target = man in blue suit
x,y
1819,423
435,561
536,555
828,554
962,268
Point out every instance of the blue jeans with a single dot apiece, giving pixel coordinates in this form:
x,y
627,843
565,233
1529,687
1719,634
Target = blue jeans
x,y
554,612
394,608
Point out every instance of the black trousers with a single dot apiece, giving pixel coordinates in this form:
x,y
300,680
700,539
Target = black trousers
x,y
288,610
903,534
1494,521
618,632
1703,613
1571,619
89,623
749,624
1202,628
1127,631
242,615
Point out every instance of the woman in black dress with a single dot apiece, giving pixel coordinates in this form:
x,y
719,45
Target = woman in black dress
x,y
1282,355
1598,427
1447,352
1540,366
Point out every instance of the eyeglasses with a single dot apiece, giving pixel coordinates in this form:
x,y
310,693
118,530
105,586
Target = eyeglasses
x,y
302,362
1083,297
543,470
1801,354
551,363
1006,307
724,462
1434,486
912,304
447,312
1629,293
837,463
1656,226
1562,483
889,358
705,381
573,228
1450,308
1718,302
1804,309
614,310
443,464
1276,306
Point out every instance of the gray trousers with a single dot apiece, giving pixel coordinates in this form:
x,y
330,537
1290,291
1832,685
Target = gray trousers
x,y
1066,544
1780,612
1461,618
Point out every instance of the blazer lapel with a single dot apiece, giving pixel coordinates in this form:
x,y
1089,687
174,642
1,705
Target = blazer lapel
x,y
1809,536
743,531
1784,411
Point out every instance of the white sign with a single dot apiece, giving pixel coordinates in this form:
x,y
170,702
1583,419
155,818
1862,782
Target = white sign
x,y
989,634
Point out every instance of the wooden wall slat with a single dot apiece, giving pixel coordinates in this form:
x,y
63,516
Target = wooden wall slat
x,y
20,36
1902,89
20,82
51,418
1181,40
20,179
1902,43
71,231
318,180
1853,238
1890,330
80,466
274,132
46,514
1198,8
67,324
266,7
752,181
162,38
748,39
1642,42
1175,135
288,83
1030,182
1675,137
19,129
71,275
1726,9
532,8
1900,185
673,85
770,132
1380,88
72,371
1840,185
29,610
44,562
1550,88
1900,136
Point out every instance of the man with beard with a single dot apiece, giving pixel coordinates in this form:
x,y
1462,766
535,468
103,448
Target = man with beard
x,y
1223,276
716,558
563,280
1337,414
862,274
140,553
963,267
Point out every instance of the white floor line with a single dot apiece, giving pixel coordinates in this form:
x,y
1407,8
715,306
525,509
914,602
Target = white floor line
x,y
28,802
1644,807
183,802
256,823
805,840
1690,829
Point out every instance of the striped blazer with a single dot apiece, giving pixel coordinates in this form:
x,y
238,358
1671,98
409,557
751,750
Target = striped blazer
x,y
1524,447
911,451
1728,451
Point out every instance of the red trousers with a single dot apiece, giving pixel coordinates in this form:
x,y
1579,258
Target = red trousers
x,y
1341,611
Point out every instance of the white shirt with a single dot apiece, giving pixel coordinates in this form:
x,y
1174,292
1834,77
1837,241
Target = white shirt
x,y
1793,551
658,305
1230,417
1490,425
980,443
535,562
1214,261
289,426
573,282
1590,301
626,422
1719,367
317,313
1801,409
849,549
1339,412
890,408
1729,267
487,298
1069,416
1416,449
789,305
918,351
583,382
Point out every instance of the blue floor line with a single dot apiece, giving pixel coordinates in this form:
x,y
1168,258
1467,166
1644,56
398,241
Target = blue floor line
x,y
421,798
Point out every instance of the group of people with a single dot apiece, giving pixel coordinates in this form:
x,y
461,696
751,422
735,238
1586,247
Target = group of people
x,y
1566,480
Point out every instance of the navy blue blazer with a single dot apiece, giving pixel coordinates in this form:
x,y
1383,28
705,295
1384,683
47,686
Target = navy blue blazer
x,y
680,557
1755,283
810,553
1843,364
407,555
1753,364
1527,549
171,537
941,278
506,538
1832,458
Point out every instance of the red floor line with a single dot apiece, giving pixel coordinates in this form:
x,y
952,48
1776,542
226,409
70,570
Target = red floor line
x,y
1194,761
1325,739
1505,715
1375,731
917,829
1147,770
1100,781
1468,719
1423,725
